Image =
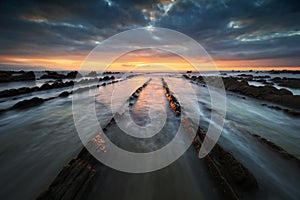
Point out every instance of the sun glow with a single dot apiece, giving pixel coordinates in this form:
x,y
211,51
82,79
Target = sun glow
x,y
143,63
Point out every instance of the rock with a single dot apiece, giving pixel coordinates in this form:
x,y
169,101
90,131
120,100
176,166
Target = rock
x,y
73,75
110,72
92,74
267,92
246,75
56,84
284,71
288,82
53,75
260,77
8,76
232,176
276,148
274,72
45,86
174,104
64,94
73,180
28,103
5,76
19,91
105,78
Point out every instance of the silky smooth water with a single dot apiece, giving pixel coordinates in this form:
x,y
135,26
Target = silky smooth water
x,y
37,142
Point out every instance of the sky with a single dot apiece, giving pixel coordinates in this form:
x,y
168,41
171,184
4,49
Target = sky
x,y
237,34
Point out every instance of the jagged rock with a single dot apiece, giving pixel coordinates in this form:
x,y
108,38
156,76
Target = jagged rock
x,y
52,75
55,75
14,92
8,76
73,74
28,103
288,82
233,178
133,98
73,180
92,73
64,94
172,99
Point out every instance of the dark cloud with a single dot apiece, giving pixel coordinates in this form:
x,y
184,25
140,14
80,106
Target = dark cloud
x,y
240,29
228,29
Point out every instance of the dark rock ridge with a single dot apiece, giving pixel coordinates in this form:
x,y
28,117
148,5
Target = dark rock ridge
x,y
284,71
9,76
134,96
55,75
47,86
65,94
285,110
26,90
35,101
28,103
92,73
73,180
269,93
110,72
276,148
171,99
246,75
232,176
262,77
287,82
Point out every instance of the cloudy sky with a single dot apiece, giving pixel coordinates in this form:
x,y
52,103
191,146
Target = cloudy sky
x,y
236,33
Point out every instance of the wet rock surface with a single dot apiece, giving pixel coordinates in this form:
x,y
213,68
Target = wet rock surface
x,y
26,90
133,98
171,99
56,75
233,177
91,74
47,86
73,180
284,72
290,112
287,82
276,148
9,76
28,103
35,101
268,92
65,94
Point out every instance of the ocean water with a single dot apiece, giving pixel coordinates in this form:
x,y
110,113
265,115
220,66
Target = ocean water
x,y
37,142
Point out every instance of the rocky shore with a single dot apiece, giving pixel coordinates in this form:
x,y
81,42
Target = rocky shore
x,y
287,82
35,101
268,93
72,181
48,86
277,148
231,176
56,75
133,98
9,76
171,99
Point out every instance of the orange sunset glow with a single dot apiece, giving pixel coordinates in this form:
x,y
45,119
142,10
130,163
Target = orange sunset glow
x,y
143,63
140,61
